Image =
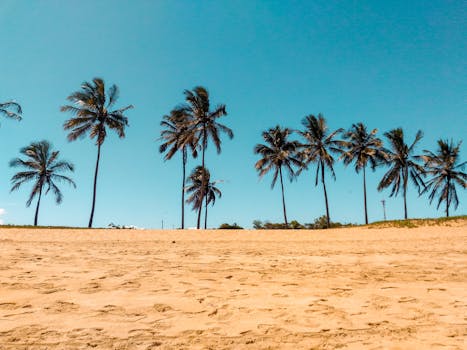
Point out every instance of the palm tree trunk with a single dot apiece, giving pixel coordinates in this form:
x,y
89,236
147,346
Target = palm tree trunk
x,y
205,212
364,196
405,194
283,198
37,207
203,179
95,185
184,156
328,220
447,198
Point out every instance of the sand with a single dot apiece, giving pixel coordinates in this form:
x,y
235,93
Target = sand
x,y
355,288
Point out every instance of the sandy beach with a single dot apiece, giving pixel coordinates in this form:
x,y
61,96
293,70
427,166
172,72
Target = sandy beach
x,y
353,288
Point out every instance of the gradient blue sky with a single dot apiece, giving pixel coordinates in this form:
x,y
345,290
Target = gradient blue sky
x,y
386,63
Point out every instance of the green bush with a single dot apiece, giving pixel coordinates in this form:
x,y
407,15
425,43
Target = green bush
x,y
234,226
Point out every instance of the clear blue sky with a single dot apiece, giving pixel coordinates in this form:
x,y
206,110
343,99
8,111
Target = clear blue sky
x,y
386,63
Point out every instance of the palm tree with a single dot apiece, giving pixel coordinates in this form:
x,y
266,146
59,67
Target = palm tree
x,y
278,153
446,172
204,124
363,147
93,114
177,137
43,167
402,165
195,187
318,146
11,110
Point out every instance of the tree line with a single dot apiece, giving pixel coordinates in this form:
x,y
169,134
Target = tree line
x,y
191,126
318,145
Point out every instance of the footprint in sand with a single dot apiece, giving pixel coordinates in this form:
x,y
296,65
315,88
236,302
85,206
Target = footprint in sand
x,y
111,310
407,300
92,287
221,314
9,306
162,307
47,288
61,306
130,284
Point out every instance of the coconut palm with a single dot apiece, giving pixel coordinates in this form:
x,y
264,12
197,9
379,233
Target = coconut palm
x,y
318,148
204,124
199,176
11,110
446,172
362,147
177,137
93,113
402,165
43,167
277,154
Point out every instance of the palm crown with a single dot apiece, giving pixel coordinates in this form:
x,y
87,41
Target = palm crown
x,y
446,172
319,144
176,134
204,122
278,152
93,112
11,110
362,147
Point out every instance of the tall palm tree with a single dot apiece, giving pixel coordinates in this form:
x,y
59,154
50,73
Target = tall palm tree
x,y
177,137
402,165
195,188
92,113
362,147
318,148
446,172
204,124
11,110
43,167
277,154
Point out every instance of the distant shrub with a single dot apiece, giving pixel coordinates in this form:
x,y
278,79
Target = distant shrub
x,y
234,226
257,225
295,225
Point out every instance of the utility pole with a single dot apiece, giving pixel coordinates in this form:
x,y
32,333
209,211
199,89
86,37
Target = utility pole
x,y
384,208
162,223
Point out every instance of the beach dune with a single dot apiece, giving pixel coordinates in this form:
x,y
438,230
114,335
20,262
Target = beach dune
x,y
351,288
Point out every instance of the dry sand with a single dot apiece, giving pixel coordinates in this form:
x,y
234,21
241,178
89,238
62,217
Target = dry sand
x,y
354,288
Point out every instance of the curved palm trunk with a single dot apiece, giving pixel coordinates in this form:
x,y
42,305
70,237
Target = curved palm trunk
x,y
328,220
184,156
364,196
203,179
37,206
283,199
95,186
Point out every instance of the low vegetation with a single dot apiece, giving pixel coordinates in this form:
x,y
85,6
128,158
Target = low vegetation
x,y
234,226
412,223
318,224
